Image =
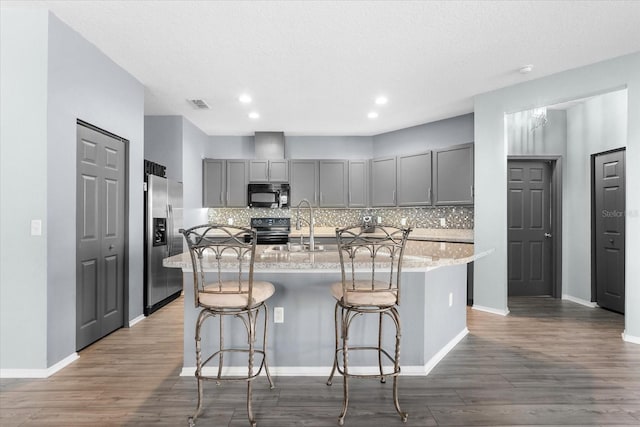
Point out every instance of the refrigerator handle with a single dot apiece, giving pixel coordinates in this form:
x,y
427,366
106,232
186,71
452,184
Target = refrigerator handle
x,y
170,229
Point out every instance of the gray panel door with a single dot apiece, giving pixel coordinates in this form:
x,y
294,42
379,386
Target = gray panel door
x,y
237,178
304,181
609,215
214,185
100,240
358,183
529,232
383,181
414,180
333,183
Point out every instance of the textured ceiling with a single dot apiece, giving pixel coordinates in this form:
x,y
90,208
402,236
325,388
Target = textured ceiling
x,y
315,67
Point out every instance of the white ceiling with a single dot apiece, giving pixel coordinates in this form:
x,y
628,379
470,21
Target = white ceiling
x,y
315,67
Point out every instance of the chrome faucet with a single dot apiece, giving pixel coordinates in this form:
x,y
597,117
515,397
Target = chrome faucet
x,y
312,245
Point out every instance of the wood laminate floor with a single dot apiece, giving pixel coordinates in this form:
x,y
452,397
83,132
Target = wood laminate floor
x,y
550,362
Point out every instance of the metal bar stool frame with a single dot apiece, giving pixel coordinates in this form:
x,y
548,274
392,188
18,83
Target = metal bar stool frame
x,y
226,246
354,246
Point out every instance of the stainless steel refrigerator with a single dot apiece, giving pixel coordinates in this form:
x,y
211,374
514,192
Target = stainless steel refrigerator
x,y
163,219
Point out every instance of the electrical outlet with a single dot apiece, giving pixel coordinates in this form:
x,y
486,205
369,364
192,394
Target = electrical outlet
x,y
278,315
450,299
403,221
230,221
443,222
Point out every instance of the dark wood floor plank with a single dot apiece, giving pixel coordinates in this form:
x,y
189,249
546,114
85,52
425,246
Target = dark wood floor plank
x,y
549,362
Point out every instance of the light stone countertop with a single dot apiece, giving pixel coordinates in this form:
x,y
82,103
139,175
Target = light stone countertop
x,y
429,234
419,256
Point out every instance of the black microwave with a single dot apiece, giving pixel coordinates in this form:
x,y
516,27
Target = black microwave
x,y
268,195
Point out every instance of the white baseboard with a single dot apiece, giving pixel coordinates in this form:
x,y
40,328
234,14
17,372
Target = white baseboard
x,y
444,351
579,301
490,310
630,338
136,320
324,371
39,373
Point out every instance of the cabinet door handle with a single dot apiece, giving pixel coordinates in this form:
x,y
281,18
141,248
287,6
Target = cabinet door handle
x,y
349,197
394,196
429,195
220,197
471,191
315,197
321,197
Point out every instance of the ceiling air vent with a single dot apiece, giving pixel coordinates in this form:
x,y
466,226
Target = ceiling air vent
x,y
200,104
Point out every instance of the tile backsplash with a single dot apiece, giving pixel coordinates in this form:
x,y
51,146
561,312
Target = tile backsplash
x,y
455,217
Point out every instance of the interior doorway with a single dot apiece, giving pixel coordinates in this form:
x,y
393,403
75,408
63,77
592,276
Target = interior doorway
x,y
101,225
534,226
608,231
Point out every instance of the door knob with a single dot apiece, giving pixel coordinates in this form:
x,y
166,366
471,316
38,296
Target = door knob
x,y
547,234
610,240
111,247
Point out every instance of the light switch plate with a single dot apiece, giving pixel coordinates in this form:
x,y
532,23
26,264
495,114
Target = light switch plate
x,y
36,227
278,315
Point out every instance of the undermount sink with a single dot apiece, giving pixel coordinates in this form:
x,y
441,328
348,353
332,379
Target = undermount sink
x,y
297,247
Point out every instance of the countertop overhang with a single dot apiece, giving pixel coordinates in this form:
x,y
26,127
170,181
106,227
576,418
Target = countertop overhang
x,y
418,256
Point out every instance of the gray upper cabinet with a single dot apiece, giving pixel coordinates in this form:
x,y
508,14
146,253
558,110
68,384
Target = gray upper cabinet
x,y
268,171
414,180
304,176
358,183
237,179
453,175
214,182
333,183
224,183
383,181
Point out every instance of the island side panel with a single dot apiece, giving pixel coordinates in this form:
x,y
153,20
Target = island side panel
x,y
303,344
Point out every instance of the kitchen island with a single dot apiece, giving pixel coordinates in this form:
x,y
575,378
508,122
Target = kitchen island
x,y
432,308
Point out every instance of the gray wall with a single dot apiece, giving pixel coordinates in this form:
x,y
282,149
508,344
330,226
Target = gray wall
x,y
194,145
490,280
329,147
83,83
23,189
598,125
163,143
230,147
429,136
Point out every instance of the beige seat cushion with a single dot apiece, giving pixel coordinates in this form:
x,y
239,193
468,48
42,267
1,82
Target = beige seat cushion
x,y
363,298
261,292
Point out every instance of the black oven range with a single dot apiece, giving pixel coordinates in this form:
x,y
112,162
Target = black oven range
x,y
272,231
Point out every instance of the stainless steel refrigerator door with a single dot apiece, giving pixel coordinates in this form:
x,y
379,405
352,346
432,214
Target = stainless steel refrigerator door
x,y
174,238
157,198
175,209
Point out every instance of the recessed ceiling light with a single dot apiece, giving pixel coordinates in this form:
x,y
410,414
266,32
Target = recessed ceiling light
x,y
372,115
526,69
244,98
381,100
254,115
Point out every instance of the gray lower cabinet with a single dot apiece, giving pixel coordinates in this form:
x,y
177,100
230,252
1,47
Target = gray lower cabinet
x,y
304,176
237,179
414,180
453,175
268,171
224,183
213,183
357,196
333,183
383,182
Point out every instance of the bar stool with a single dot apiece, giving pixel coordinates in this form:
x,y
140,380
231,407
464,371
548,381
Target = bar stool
x,y
223,252
371,265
